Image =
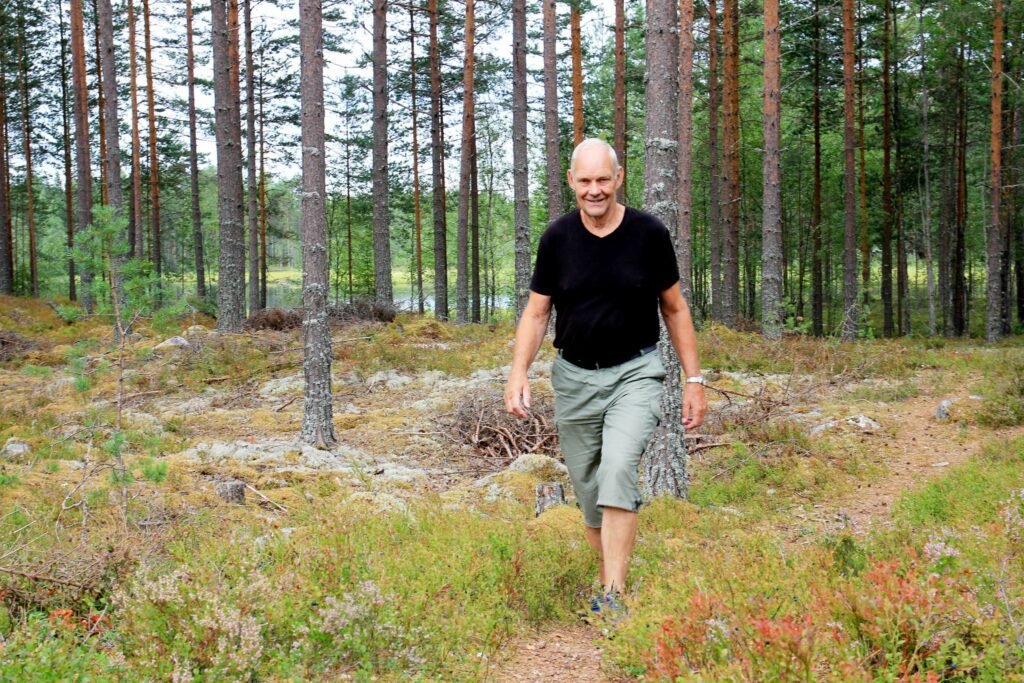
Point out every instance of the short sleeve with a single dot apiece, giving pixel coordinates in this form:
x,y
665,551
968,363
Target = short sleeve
x,y
665,268
544,275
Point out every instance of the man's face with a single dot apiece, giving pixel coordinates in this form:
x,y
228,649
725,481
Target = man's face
x,y
594,181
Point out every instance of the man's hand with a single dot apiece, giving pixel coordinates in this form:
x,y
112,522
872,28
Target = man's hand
x,y
694,405
517,395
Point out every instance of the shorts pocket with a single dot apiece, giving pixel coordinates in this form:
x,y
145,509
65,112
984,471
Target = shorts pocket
x,y
655,405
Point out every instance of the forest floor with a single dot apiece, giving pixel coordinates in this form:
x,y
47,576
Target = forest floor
x,y
806,440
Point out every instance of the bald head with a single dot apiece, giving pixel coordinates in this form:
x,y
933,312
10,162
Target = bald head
x,y
591,147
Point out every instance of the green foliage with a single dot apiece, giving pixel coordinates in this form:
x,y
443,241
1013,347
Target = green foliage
x,y
154,470
37,371
8,479
69,314
1003,396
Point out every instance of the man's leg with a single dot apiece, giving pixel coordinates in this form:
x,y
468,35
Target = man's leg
x,y
594,539
618,534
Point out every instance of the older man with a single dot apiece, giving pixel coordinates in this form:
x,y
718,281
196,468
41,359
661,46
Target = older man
x,y
607,269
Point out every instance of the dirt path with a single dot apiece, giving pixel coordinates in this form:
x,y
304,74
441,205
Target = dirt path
x,y
914,447
567,655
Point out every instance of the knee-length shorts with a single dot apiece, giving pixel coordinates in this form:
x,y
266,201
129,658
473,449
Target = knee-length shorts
x,y
605,418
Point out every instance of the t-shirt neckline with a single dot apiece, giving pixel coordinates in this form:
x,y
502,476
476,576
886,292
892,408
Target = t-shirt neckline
x,y
622,224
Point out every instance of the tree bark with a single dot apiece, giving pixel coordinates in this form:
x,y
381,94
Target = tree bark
x,y
252,214
154,169
731,179
619,103
889,328
465,170
437,174
133,84
193,157
926,203
576,48
69,205
474,230
817,293
317,419
6,245
101,119
664,463
231,276
80,109
684,246
865,250
959,257
416,164
520,161
26,130
848,329
384,292
714,177
551,135
263,199
771,241
995,240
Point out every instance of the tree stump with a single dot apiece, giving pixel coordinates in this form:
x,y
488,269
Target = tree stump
x,y
232,491
549,493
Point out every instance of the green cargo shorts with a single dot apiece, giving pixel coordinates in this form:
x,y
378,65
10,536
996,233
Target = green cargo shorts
x,y
605,418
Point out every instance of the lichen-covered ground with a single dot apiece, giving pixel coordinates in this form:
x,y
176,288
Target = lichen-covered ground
x,y
113,456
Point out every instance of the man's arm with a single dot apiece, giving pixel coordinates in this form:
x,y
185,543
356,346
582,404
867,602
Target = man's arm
x,y
532,326
679,324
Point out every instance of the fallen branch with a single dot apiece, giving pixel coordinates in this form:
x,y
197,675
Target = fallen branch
x,y
43,577
287,403
274,503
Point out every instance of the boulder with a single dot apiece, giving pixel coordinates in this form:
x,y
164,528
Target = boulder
x,y
942,411
15,449
232,491
175,343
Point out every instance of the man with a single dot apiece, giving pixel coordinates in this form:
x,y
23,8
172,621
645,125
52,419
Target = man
x,y
606,269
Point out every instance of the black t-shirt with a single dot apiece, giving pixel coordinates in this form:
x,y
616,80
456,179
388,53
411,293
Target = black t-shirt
x,y
605,289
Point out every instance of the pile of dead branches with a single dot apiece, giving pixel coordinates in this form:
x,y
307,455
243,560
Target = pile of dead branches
x,y
362,310
274,319
480,422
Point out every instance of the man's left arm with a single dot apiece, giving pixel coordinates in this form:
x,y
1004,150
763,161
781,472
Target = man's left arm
x,y
679,324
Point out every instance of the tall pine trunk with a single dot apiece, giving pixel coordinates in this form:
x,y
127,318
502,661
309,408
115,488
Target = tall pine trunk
x,y
685,161
417,215
926,200
69,207
771,254
865,249
154,169
520,162
714,177
231,275
576,48
730,163
384,292
551,136
959,292
133,84
193,158
437,173
848,330
80,109
619,103
465,170
317,418
817,293
26,137
664,463
252,210
6,246
995,241
889,328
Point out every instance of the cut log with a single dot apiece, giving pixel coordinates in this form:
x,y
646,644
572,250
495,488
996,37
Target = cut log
x,y
549,494
232,491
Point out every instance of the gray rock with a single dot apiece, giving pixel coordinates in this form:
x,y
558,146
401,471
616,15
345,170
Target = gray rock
x,y
942,412
389,379
232,491
539,465
175,343
197,331
860,422
15,449
380,501
279,386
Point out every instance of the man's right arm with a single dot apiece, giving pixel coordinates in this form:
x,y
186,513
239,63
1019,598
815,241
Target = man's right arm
x,y
529,335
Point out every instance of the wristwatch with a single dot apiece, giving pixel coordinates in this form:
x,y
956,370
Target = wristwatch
x,y
698,379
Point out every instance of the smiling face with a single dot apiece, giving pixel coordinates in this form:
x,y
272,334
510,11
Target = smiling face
x,y
594,179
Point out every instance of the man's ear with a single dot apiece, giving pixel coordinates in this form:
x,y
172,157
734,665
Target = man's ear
x,y
568,176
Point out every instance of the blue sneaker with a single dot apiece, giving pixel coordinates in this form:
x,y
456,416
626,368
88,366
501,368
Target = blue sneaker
x,y
606,611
